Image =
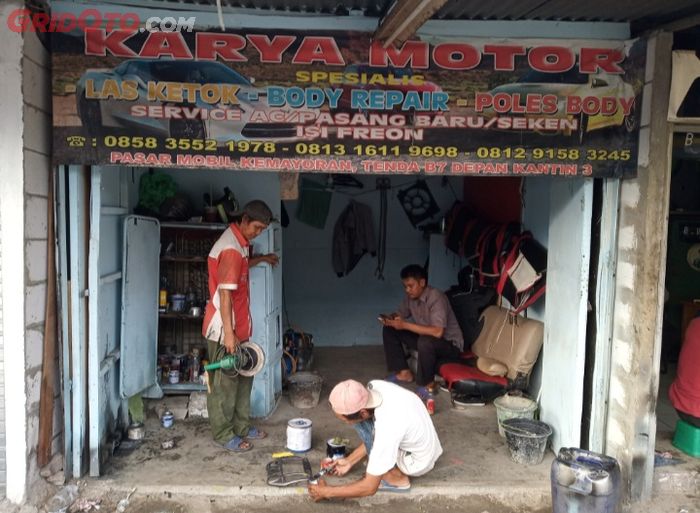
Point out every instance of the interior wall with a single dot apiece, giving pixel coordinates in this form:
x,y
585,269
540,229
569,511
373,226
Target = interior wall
x,y
343,311
535,217
194,184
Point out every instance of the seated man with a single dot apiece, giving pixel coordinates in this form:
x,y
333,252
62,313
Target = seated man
x,y
396,433
432,330
685,389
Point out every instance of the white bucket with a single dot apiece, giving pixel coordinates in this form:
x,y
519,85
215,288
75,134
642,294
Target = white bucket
x,y
299,435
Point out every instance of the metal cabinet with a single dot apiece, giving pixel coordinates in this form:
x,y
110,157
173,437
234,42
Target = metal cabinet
x,y
266,312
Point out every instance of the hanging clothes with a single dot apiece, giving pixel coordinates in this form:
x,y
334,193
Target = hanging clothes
x,y
353,236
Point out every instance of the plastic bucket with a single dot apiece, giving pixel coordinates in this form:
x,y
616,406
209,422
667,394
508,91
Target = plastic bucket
x,y
527,440
299,435
304,389
513,407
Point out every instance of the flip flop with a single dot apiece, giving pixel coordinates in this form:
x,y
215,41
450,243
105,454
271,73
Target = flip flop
x,y
386,487
255,434
237,444
393,378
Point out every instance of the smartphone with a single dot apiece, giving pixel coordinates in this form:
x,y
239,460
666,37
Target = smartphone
x,y
383,317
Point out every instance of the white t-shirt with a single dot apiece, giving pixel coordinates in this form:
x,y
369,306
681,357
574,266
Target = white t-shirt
x,y
404,434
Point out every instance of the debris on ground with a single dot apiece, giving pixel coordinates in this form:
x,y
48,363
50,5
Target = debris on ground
x,y
124,503
662,459
63,499
85,505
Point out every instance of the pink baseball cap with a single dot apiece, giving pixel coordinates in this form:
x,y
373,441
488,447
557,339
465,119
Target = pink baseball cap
x,y
351,396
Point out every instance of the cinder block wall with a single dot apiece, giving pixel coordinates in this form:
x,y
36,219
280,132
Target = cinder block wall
x,y
3,461
36,89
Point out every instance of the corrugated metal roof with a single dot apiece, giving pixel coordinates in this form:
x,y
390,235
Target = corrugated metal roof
x,y
641,14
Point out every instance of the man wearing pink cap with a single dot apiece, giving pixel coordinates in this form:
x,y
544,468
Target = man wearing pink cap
x,y
396,432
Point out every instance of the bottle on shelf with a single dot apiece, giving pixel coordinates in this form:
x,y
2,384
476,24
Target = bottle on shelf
x,y
195,365
163,295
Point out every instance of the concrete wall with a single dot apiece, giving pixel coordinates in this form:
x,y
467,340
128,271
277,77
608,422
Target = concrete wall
x,y
36,88
12,235
3,417
25,145
631,427
343,311
536,211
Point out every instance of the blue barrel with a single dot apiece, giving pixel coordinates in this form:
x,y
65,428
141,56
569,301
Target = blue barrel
x,y
585,482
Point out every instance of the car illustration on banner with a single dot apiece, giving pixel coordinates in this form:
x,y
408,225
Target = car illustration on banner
x,y
249,118
572,83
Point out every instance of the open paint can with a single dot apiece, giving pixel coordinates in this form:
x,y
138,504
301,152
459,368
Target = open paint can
x,y
299,435
335,449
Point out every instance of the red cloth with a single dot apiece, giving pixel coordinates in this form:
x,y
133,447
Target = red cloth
x,y
685,389
228,269
453,372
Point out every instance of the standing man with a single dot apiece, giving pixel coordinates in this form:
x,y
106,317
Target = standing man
x,y
227,323
396,432
425,322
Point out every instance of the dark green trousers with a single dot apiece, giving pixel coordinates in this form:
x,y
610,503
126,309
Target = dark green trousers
x,y
228,403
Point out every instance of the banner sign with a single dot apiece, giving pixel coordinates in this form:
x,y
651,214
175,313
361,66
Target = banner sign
x,y
133,93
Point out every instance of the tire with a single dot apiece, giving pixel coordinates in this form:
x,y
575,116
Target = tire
x,y
187,129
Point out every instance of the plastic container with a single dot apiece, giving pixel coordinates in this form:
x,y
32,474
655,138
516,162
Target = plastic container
x,y
299,435
305,389
687,438
177,302
513,407
584,481
527,440
167,419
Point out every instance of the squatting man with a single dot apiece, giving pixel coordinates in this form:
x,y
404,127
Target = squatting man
x,y
397,434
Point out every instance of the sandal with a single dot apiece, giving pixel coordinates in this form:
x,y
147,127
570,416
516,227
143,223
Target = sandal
x,y
255,434
393,378
238,444
387,487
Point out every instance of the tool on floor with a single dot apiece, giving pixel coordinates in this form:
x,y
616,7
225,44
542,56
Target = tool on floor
x,y
288,471
247,360
314,479
283,454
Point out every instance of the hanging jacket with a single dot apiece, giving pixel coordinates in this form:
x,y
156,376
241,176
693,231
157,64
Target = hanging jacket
x,y
353,236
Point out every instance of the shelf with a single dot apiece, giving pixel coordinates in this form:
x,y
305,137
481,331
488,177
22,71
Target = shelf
x,y
178,315
186,259
183,387
195,226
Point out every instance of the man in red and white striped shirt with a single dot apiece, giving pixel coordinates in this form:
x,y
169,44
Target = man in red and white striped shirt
x,y
227,323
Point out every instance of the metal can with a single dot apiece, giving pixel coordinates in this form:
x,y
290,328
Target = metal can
x,y
334,450
167,419
299,435
174,377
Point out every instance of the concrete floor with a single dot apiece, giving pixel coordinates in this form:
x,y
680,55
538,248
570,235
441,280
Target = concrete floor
x,y
476,460
475,473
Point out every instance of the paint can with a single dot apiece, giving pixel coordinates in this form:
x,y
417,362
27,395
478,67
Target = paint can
x,y
174,377
167,419
299,435
335,449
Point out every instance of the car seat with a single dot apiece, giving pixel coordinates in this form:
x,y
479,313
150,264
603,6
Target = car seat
x,y
500,359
